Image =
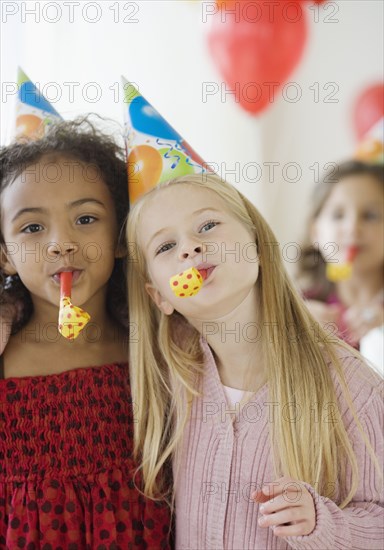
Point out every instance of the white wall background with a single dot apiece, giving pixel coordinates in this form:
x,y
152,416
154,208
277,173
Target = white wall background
x,y
160,45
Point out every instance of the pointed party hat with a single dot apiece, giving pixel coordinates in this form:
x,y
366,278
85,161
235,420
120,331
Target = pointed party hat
x,y
33,112
155,151
371,148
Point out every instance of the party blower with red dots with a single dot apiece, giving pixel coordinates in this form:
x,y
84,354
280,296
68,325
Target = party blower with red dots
x,y
72,319
189,282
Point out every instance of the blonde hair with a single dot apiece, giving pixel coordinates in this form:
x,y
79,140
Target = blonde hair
x,y
165,365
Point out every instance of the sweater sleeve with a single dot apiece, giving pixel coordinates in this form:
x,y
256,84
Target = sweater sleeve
x,y
360,525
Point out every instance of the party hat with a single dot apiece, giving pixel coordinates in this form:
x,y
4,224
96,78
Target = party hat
x,y
155,151
33,112
371,148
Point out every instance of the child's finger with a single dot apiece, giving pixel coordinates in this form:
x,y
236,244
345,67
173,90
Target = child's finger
x,y
259,496
292,530
280,518
291,521
289,488
280,486
287,501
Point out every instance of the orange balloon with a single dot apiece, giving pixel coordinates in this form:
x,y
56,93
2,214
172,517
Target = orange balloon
x,y
144,170
29,125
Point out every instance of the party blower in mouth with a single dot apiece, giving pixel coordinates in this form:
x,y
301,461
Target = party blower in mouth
x,y
72,319
343,271
189,282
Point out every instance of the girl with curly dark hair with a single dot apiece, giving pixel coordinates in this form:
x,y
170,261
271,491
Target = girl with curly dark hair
x,y
67,476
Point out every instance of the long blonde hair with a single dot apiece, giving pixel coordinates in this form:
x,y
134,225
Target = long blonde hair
x,y
165,364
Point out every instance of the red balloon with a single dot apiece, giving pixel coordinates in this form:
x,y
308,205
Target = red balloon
x,y
256,45
369,108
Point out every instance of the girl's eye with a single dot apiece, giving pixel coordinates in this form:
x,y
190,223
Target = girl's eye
x,y
164,248
32,228
86,220
337,215
371,215
208,225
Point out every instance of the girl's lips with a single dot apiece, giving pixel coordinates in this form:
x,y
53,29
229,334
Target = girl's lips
x,y
75,275
349,253
205,273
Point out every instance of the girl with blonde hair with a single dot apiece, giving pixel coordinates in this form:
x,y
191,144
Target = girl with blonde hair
x,y
274,429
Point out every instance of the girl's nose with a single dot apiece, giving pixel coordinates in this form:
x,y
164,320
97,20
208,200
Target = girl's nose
x,y
54,250
190,250
353,226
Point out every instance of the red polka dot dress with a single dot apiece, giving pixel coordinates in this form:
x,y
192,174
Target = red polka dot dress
x,y
66,467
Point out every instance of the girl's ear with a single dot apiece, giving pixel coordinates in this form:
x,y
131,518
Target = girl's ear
x,y
160,302
6,264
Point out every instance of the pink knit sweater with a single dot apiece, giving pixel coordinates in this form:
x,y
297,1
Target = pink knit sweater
x,y
224,457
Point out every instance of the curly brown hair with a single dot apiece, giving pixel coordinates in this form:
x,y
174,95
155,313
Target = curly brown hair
x,y
80,140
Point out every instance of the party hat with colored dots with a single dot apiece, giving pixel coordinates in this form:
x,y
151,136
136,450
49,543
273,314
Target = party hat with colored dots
x,y
72,319
33,112
155,151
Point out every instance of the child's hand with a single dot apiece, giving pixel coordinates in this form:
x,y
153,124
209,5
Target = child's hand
x,y
287,507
